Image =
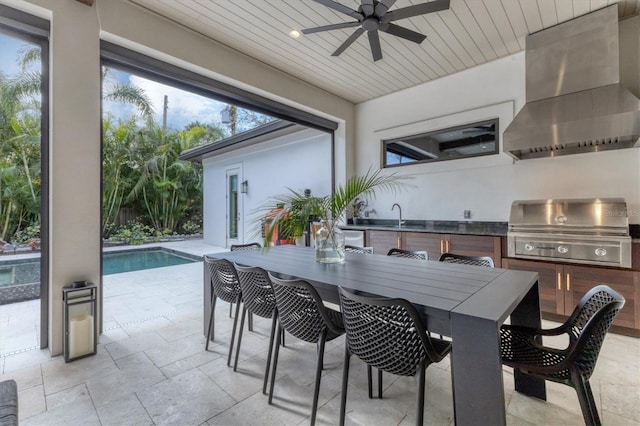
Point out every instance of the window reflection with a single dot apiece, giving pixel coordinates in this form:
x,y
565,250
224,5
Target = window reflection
x,y
448,144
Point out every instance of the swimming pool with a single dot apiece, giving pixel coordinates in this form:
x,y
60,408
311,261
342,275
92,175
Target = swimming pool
x,y
136,260
25,271
20,278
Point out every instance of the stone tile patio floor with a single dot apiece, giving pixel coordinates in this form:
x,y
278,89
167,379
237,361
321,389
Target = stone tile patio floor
x,y
151,368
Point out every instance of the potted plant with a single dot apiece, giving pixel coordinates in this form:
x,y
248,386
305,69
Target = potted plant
x,y
296,209
357,208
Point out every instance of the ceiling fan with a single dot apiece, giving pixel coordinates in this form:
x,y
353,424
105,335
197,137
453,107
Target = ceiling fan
x,y
374,15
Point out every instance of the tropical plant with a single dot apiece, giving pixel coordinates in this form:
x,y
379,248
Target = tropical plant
x,y
294,209
166,186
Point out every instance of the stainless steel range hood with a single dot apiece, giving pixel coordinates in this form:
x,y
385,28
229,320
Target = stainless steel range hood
x,y
575,102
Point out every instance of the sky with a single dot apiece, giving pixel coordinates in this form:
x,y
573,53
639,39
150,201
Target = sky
x,y
184,107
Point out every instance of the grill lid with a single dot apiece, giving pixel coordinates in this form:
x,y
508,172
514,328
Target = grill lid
x,y
603,216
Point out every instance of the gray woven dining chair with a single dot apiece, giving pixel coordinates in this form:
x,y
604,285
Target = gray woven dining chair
x,y
357,249
302,314
409,254
522,347
225,286
467,260
242,247
257,298
388,334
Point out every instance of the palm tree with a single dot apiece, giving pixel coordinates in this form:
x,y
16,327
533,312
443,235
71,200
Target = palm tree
x,y
167,187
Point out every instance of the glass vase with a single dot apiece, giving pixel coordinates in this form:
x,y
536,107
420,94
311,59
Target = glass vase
x,y
329,243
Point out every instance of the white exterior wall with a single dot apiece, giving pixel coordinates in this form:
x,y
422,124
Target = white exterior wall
x,y
297,161
485,185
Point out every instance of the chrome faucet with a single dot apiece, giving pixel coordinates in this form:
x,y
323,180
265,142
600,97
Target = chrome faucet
x,y
400,221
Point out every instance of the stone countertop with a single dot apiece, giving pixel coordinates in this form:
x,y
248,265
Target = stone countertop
x,y
496,229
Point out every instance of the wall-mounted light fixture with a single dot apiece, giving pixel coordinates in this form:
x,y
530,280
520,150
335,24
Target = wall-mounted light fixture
x,y
244,186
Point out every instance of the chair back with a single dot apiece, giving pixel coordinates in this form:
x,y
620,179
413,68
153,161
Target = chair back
x,y
356,249
467,260
242,247
257,293
300,309
589,324
386,333
224,279
410,254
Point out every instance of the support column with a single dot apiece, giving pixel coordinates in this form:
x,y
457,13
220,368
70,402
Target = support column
x,y
75,199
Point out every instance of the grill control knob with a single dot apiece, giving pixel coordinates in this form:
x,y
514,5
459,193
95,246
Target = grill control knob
x,y
601,252
529,247
562,219
562,249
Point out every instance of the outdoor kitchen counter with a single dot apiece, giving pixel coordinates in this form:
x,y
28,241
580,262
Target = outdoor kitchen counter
x,y
494,229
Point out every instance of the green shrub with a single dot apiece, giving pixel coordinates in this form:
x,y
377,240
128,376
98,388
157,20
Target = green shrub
x,y
134,233
25,235
193,225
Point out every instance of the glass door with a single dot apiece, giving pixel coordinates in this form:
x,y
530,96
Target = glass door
x,y
234,206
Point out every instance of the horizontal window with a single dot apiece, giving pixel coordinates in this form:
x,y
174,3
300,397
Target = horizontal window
x,y
470,140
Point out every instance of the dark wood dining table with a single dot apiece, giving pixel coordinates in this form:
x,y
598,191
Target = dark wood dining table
x,y
466,303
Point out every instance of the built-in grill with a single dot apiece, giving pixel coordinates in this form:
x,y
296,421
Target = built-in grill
x,y
592,231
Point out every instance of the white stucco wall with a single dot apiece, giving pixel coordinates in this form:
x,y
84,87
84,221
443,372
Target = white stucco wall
x,y
485,185
297,161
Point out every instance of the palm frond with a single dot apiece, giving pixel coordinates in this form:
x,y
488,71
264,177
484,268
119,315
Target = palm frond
x,y
133,95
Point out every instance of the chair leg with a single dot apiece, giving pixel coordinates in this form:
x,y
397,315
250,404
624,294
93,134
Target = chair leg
x,y
271,339
420,401
211,329
345,382
244,314
283,345
370,381
319,367
379,384
585,397
233,332
275,363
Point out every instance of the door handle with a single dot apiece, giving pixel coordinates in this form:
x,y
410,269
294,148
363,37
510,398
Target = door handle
x,y
568,282
559,281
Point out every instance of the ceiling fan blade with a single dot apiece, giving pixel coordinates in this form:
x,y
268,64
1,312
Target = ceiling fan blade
x,y
374,42
415,10
383,6
330,27
357,33
340,8
367,7
403,32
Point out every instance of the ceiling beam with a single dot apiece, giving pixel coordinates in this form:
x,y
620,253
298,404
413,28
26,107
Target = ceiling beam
x,y
87,2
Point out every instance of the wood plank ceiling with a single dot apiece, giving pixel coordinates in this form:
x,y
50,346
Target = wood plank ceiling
x,y
470,33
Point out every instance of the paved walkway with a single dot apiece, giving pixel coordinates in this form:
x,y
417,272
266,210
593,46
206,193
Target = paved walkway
x,y
20,322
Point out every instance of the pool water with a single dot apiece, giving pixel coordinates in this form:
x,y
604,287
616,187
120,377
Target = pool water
x,y
27,271
137,260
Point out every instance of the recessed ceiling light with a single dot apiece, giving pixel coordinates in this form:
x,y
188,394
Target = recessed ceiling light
x,y
294,34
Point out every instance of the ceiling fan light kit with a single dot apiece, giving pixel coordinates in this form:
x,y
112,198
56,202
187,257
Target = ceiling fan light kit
x,y
373,16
